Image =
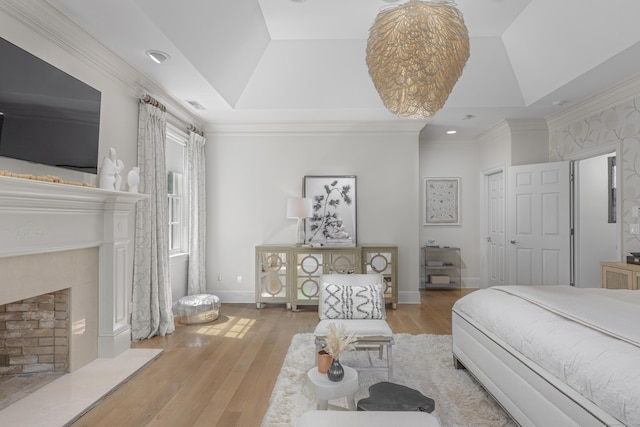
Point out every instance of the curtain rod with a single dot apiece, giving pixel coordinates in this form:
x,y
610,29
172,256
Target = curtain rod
x,y
148,99
194,129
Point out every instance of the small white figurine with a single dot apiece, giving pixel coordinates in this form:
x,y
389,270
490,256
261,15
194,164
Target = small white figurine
x,y
119,168
133,179
109,177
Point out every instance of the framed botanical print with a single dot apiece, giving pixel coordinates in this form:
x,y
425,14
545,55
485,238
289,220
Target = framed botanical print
x,y
442,201
334,210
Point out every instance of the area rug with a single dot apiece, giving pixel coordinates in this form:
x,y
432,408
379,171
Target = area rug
x,y
422,362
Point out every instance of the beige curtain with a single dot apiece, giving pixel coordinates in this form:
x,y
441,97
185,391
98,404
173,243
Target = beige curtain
x,y
196,273
151,294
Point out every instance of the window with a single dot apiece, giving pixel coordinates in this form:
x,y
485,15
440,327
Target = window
x,y
177,190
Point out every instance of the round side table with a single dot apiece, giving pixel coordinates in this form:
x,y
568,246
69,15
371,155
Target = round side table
x,y
326,390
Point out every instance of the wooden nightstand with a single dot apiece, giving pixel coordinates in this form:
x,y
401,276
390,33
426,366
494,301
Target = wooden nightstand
x,y
619,275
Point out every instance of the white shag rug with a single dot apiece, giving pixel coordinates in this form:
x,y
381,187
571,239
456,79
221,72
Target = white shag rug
x,y
422,362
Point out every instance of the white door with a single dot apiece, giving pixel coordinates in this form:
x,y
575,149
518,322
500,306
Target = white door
x,y
495,229
538,227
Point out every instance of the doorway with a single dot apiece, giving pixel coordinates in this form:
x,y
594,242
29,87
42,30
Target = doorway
x,y
595,232
495,228
595,238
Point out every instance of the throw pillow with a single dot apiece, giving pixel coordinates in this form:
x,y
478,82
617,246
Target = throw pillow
x,y
352,302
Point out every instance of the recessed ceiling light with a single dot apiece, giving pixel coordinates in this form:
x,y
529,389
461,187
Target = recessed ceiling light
x,y
157,56
452,132
559,103
468,117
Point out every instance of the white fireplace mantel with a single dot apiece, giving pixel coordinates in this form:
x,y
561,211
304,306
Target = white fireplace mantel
x,y
39,217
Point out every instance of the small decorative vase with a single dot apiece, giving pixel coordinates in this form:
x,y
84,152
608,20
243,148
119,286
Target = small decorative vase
x,y
335,372
133,179
324,361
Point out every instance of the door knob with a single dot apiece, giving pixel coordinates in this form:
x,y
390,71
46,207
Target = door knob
x,y
513,242
488,239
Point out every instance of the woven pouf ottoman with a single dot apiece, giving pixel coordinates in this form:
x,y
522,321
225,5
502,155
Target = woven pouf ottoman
x,y
201,308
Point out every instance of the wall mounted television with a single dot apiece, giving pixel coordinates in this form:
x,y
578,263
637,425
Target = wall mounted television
x,y
46,115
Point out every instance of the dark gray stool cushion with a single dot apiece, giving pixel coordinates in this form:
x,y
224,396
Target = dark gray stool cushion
x,y
387,396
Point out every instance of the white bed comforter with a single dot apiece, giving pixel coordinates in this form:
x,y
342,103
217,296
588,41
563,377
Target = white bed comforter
x,y
587,338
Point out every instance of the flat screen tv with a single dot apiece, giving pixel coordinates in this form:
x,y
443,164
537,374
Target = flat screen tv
x,y
46,115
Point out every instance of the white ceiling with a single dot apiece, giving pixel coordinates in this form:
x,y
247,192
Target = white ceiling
x,y
254,61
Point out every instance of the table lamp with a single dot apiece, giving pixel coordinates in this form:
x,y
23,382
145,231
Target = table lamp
x,y
299,208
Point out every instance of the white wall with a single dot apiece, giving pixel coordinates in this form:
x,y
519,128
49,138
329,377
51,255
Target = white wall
x,y
455,159
529,141
178,267
250,175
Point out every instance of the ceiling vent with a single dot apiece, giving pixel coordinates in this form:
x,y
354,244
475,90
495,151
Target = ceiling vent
x,y
195,104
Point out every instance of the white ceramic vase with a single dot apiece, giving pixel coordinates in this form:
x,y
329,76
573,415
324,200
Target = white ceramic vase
x,y
133,179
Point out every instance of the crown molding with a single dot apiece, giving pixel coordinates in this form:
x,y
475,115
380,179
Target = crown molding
x,y
527,124
50,23
500,130
411,127
615,95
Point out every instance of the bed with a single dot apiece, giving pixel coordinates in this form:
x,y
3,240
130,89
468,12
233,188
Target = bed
x,y
554,355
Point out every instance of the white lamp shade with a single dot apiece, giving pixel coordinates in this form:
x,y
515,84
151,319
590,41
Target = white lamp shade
x,y
299,207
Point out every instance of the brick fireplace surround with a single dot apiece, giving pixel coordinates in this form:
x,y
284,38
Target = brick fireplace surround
x,y
34,334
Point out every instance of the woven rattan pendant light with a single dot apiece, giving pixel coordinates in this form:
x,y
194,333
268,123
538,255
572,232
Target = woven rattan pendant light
x,y
416,53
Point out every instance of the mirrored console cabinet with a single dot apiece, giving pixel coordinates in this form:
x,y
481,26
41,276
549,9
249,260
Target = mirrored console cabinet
x,y
291,274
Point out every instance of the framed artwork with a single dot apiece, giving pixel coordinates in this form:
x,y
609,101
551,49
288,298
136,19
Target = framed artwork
x,y
442,201
334,210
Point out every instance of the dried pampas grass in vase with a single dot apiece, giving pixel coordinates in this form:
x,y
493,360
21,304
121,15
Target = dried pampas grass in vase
x,y
338,340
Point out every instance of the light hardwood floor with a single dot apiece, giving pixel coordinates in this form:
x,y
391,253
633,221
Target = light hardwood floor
x,y
222,374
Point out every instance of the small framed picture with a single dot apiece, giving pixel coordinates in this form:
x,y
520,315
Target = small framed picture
x,y
442,201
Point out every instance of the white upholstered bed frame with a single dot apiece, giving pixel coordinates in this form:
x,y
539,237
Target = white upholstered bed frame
x,y
527,392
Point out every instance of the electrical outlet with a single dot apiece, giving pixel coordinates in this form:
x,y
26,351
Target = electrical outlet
x,y
219,277
634,228
239,280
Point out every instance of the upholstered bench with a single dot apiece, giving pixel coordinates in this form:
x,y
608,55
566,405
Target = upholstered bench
x,y
366,419
201,308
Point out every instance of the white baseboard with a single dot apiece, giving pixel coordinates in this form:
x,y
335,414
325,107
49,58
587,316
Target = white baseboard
x,y
471,282
234,297
412,297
